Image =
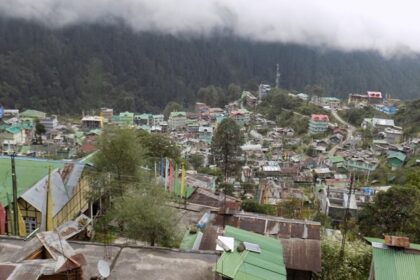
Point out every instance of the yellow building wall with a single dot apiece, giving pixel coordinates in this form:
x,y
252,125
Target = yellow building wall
x,y
26,210
77,204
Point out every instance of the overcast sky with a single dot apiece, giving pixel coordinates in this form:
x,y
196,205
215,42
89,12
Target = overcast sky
x,y
388,26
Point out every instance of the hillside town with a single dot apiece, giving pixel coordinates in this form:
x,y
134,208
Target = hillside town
x,y
263,212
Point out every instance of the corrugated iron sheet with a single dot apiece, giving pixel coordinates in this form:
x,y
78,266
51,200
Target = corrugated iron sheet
x,y
302,254
390,264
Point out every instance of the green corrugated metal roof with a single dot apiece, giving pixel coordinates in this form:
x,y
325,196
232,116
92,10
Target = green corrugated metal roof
x,y
177,114
28,172
33,114
395,265
246,265
397,155
336,159
392,264
187,242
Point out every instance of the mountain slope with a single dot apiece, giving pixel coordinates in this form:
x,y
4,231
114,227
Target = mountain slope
x,y
82,67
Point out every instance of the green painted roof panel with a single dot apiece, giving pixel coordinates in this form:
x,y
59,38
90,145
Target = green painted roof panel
x,y
269,264
28,172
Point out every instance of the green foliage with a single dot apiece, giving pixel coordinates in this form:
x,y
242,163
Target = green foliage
x,y
215,171
171,107
355,116
395,212
409,117
355,265
217,96
119,153
226,188
196,161
226,145
249,188
157,146
80,67
143,215
252,206
288,111
39,131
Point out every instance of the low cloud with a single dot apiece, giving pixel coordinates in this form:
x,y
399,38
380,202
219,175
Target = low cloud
x,y
390,27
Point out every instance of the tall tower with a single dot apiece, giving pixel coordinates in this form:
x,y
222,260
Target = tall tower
x,y
277,76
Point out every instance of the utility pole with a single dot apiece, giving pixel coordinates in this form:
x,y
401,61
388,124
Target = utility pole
x,y
15,206
277,76
345,220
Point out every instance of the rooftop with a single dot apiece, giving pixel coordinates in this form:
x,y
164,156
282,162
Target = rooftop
x,y
248,265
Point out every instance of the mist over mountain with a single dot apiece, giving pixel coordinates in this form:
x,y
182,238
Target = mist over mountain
x,y
82,66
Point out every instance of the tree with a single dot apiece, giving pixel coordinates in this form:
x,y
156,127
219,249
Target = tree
x,y
395,212
171,107
226,188
39,131
120,156
226,145
196,161
158,146
252,206
144,215
356,263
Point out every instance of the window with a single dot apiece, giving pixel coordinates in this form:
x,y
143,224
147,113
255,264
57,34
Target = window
x,y
30,224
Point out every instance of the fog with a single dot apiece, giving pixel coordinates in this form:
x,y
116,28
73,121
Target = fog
x,y
390,27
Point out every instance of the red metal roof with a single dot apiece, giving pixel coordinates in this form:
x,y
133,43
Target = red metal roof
x,y
374,94
323,118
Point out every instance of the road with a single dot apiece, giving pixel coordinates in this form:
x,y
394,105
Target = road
x,y
350,131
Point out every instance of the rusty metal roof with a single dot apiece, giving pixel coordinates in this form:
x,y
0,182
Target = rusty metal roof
x,y
302,254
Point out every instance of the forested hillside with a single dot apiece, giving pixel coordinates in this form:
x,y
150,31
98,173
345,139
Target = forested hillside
x,y
80,67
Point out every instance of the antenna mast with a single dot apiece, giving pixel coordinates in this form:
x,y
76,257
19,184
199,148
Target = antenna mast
x,y
278,76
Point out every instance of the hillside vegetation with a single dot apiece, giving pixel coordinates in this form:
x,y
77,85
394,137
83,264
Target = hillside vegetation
x,y
79,67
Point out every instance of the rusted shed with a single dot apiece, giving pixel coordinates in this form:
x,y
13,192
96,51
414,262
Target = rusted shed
x,y
302,254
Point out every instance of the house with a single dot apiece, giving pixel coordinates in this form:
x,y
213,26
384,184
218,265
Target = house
x,y
92,122
248,99
334,201
126,119
205,134
358,99
157,120
361,164
318,124
68,191
202,110
241,116
249,255
335,162
263,90
396,159
394,257
377,123
300,239
107,114
143,119
374,97
303,96
177,120
49,123
392,135
336,138
12,136
386,109
10,113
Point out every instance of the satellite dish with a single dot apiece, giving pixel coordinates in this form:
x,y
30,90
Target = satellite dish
x,y
103,268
